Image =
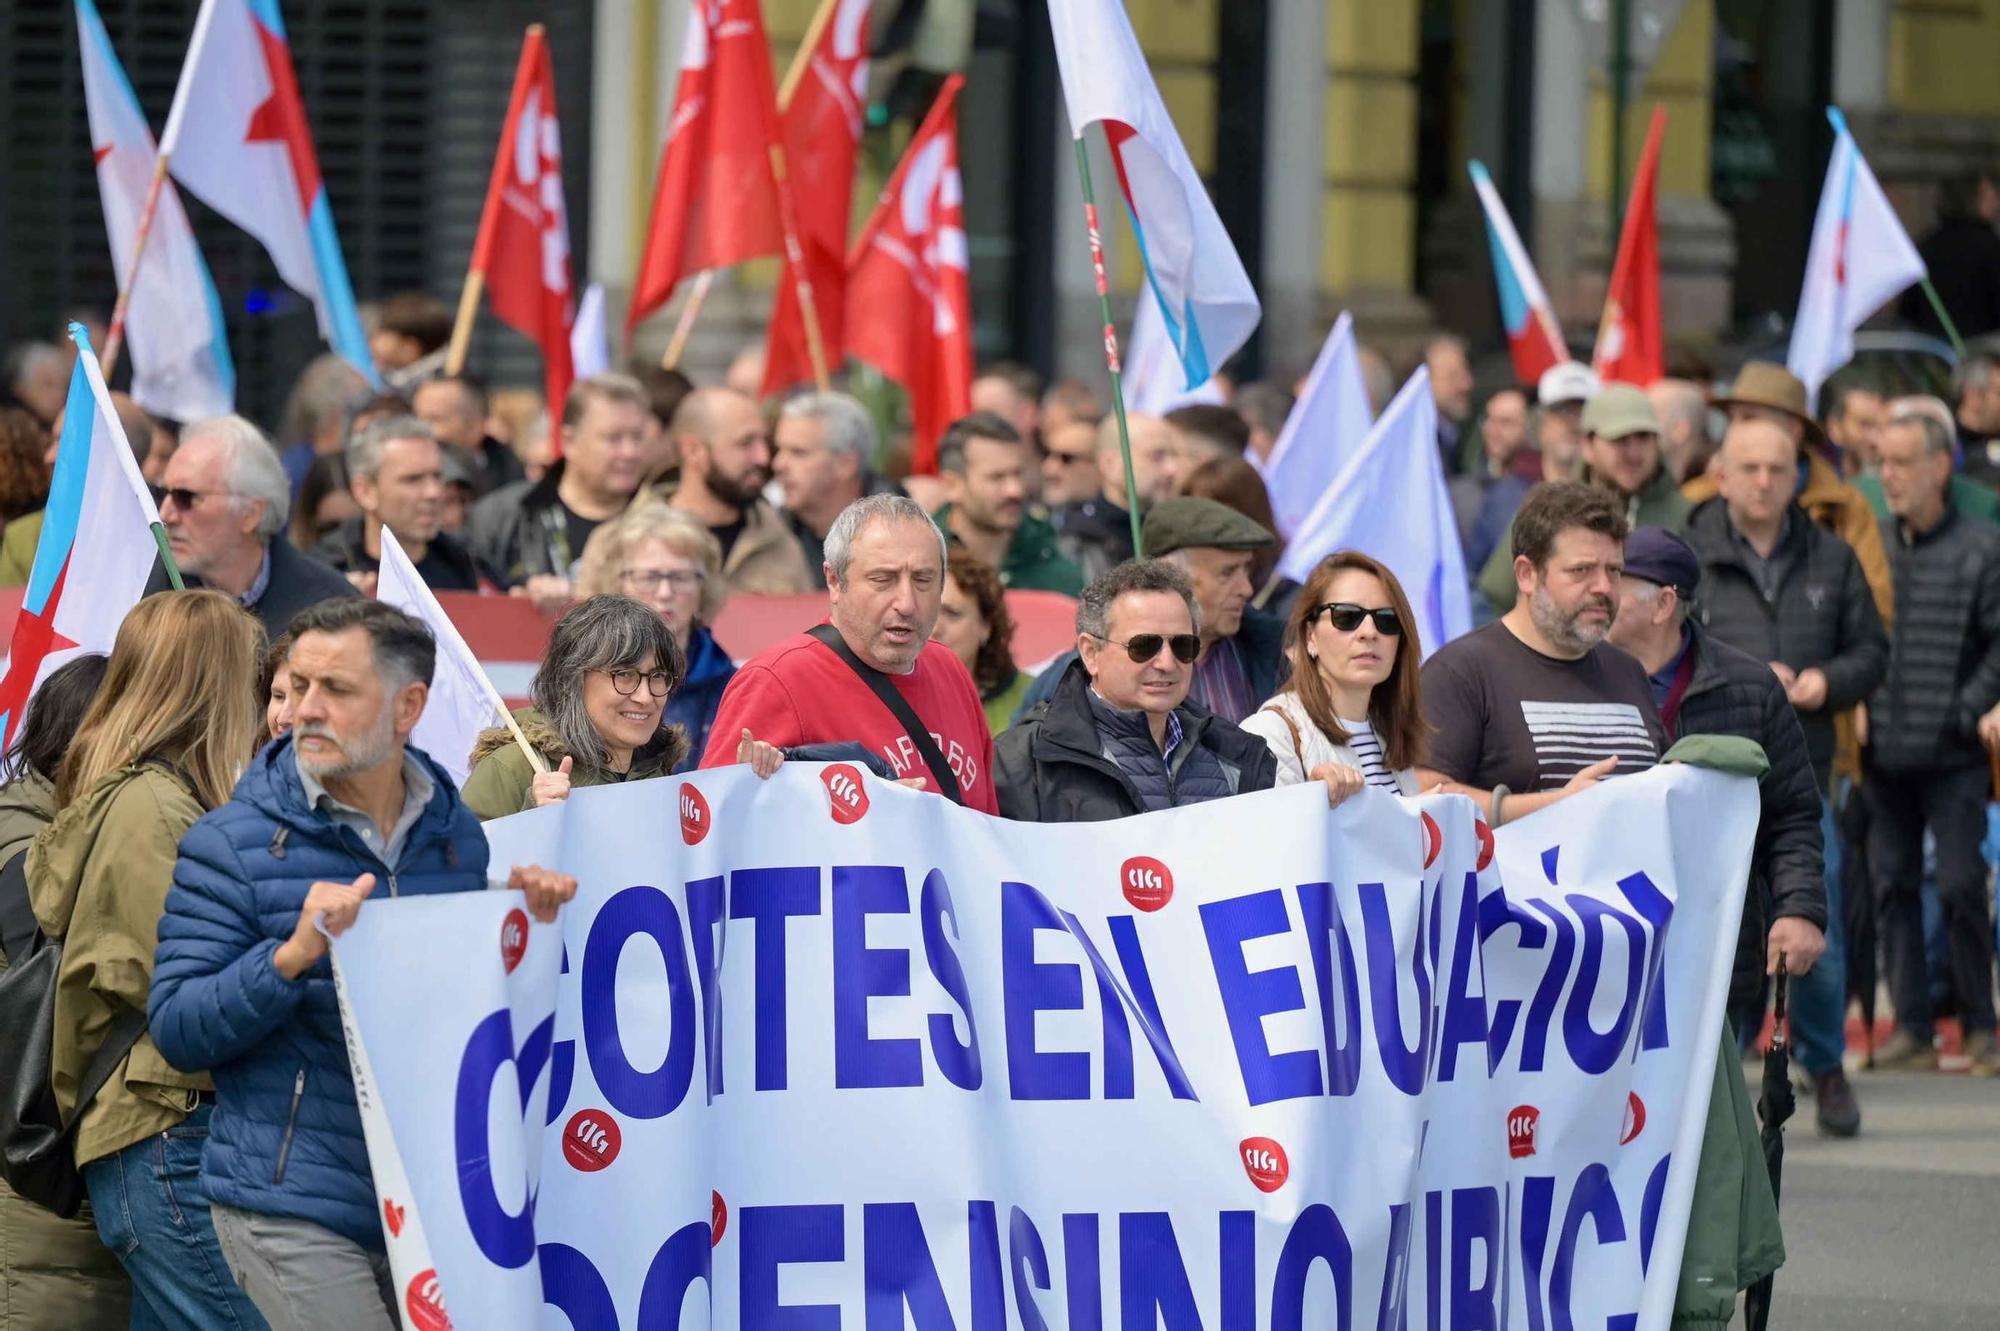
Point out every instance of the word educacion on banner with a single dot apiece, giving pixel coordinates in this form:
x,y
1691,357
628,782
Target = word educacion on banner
x,y
1253,1064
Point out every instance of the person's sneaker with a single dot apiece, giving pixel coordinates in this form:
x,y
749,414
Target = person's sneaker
x,y
1904,1052
1838,1113
1984,1054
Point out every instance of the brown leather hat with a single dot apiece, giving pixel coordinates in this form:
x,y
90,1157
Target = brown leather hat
x,y
1763,383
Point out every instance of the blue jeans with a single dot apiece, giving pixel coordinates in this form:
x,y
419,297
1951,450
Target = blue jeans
x,y
153,1216
1819,999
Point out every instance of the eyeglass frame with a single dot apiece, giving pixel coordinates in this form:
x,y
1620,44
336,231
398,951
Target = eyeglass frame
x,y
1375,613
1172,640
649,676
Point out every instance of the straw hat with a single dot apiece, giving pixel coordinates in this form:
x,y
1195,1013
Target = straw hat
x,y
1762,383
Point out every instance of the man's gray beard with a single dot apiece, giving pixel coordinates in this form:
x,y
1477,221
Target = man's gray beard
x,y
361,755
1561,630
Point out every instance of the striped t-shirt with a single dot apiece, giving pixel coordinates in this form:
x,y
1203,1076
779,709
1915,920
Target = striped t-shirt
x,y
1367,747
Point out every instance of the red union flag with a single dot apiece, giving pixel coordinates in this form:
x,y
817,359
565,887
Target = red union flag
x,y
716,202
1630,346
523,244
908,271
822,131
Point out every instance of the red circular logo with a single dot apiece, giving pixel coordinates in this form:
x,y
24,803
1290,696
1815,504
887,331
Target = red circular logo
x,y
1433,841
844,788
591,1140
1635,1118
424,1302
694,815
1485,843
1147,883
513,938
1264,1161
718,1218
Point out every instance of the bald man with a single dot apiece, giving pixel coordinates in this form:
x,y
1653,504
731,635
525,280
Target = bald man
x,y
725,455
1096,533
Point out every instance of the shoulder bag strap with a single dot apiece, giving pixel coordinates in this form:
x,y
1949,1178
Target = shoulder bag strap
x,y
1298,743
899,707
126,1028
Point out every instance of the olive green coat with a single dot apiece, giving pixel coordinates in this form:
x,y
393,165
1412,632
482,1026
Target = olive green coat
x,y
98,877
503,781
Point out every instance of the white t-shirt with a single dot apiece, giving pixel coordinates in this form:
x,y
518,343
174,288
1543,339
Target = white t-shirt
x,y
1297,757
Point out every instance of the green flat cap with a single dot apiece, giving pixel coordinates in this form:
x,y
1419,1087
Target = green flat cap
x,y
1184,523
1618,410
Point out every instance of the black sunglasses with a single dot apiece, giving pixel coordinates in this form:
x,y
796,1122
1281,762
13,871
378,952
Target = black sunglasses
x,y
1143,647
1347,617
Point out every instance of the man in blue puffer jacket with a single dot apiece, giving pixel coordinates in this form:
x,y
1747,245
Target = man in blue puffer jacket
x,y
339,810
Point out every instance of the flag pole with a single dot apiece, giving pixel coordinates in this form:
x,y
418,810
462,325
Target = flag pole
x,y
1110,344
795,255
166,555
461,329
115,338
1943,317
795,73
689,313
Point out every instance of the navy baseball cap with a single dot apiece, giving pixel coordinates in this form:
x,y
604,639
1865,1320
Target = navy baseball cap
x,y
1659,556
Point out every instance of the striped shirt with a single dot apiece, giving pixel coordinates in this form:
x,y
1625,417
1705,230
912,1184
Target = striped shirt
x,y
1367,747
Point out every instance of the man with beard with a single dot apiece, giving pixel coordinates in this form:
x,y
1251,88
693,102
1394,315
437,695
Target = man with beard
x,y
982,462
1536,705
725,465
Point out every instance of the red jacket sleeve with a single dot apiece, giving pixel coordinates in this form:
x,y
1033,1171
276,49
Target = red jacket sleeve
x,y
756,701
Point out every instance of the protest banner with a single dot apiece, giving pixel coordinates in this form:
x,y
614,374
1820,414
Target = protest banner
x,y
841,1054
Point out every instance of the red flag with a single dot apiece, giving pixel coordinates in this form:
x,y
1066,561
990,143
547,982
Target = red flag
x,y
1630,345
523,245
716,202
822,129
908,271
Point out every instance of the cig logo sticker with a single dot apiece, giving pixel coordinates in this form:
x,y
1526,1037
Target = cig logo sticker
x,y
1147,883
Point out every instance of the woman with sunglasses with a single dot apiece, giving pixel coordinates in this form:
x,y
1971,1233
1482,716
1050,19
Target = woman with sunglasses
x,y
1349,714
599,716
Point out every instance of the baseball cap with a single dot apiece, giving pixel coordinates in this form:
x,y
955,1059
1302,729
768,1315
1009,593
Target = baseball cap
x,y
1571,381
1619,410
1658,556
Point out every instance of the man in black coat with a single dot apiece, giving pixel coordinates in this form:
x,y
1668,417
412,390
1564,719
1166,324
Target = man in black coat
x,y
1119,736
1927,767
1706,687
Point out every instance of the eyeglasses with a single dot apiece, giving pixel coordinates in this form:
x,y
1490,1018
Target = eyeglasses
x,y
1143,647
650,580
1347,617
659,683
1070,459
182,497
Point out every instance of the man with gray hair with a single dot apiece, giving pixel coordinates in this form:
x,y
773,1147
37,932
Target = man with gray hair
x,y
871,674
395,469
820,454
226,502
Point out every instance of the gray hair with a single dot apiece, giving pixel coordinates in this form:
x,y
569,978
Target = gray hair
x,y
844,423
601,633
853,519
250,464
1928,415
1093,609
1974,372
1647,593
365,448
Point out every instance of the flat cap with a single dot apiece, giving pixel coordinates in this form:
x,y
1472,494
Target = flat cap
x,y
1186,522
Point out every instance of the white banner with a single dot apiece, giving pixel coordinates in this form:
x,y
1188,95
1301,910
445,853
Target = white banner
x,y
822,1052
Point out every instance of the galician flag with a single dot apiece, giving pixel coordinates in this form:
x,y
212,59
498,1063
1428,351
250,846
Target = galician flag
x,y
1860,258
1534,338
463,701
237,137
96,538
1390,501
173,320
1326,428
1154,383
1205,297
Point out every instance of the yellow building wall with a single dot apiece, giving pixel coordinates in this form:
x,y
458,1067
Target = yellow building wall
x,y
1368,219
1944,57
1679,80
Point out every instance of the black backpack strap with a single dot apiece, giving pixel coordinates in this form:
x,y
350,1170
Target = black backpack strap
x,y
899,707
20,931
126,1028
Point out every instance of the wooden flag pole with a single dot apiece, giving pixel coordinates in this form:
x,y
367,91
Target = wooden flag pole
x,y
795,74
115,338
1110,344
461,329
795,255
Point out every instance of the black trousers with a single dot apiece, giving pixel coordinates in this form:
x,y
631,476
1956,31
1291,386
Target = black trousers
x,y
1951,803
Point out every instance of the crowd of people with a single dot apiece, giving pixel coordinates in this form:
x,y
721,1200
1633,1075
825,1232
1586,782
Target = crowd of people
x,y
1668,572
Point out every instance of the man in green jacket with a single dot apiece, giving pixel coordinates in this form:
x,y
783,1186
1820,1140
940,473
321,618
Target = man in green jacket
x,y
1621,453
981,458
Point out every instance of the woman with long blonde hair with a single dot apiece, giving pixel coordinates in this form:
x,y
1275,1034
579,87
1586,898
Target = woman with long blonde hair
x,y
165,740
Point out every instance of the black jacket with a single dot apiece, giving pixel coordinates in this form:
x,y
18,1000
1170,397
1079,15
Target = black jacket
x,y
1050,767
1260,641
447,566
1822,616
1733,693
296,582
1963,256
518,530
1095,535
1944,662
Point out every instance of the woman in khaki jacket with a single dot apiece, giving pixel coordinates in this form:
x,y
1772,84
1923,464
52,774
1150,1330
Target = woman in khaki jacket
x,y
164,742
